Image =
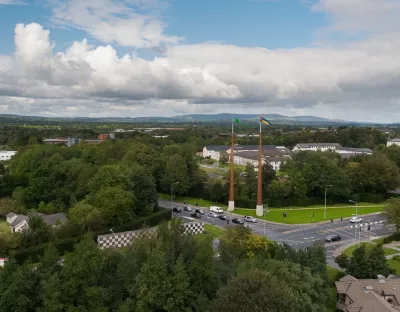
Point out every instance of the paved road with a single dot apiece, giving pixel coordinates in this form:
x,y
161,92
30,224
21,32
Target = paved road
x,y
300,236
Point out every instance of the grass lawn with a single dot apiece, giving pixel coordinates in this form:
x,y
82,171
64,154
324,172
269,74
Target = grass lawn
x,y
215,231
228,166
297,216
191,200
388,251
332,273
394,265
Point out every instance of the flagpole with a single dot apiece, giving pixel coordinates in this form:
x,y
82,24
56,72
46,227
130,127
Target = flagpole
x,y
231,203
259,206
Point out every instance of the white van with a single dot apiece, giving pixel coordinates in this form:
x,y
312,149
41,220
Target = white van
x,y
216,209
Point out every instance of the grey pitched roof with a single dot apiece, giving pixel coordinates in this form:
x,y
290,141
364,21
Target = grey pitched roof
x,y
218,148
273,155
11,214
394,140
352,149
18,220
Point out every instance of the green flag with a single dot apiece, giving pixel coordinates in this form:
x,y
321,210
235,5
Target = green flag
x,y
236,120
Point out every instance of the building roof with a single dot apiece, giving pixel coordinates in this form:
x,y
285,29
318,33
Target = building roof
x,y
394,140
309,145
218,148
11,214
12,153
273,156
18,220
365,294
352,149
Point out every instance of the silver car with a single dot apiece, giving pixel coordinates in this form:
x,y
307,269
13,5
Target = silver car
x,y
213,215
250,219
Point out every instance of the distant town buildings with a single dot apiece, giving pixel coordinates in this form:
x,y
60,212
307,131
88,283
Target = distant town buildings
x,y
19,222
395,142
103,136
7,155
74,141
368,295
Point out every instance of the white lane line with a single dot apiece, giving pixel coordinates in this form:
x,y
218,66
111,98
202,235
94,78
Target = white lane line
x,y
308,237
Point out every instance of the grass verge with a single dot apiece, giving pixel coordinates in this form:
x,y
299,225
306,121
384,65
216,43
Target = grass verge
x,y
394,265
298,216
388,251
215,231
191,200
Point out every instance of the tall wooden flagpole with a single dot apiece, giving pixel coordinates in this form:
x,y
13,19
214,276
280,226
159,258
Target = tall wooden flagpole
x,y
231,203
259,206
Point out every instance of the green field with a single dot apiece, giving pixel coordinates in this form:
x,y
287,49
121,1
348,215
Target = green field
x,y
215,231
191,200
305,215
228,166
388,251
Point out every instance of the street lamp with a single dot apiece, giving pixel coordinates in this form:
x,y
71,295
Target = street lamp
x,y
352,201
326,189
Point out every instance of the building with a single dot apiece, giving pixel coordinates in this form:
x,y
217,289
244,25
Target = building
x,y
214,151
62,141
323,147
393,142
73,141
350,151
274,159
7,155
368,295
19,223
103,136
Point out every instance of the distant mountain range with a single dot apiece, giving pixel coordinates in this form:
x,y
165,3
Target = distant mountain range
x,y
274,118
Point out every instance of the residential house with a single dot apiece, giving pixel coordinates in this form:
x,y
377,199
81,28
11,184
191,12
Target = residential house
x,y
214,151
393,142
7,155
368,295
19,222
103,136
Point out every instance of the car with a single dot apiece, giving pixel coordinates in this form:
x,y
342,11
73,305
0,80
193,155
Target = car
x,y
216,209
223,217
237,221
213,215
355,219
187,208
196,215
177,209
333,238
200,211
250,219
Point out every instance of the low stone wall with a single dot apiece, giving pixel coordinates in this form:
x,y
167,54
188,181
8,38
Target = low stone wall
x,y
122,239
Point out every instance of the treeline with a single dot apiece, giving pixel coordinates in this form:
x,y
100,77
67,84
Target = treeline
x,y
172,272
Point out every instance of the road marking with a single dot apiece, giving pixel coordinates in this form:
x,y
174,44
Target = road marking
x,y
308,237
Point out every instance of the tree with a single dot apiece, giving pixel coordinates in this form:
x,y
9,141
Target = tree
x,y
278,189
216,190
37,233
342,260
86,216
255,290
115,204
223,157
176,174
268,175
378,262
359,264
392,212
250,179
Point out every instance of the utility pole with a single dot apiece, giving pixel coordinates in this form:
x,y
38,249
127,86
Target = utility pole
x,y
326,188
352,201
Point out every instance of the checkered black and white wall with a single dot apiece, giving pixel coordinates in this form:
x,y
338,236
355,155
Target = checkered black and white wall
x,y
122,239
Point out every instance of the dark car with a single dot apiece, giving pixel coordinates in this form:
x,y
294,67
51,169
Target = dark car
x,y
237,221
332,238
199,211
177,209
196,215
223,217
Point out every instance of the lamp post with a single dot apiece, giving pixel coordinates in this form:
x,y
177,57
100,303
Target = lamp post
x,y
352,201
326,189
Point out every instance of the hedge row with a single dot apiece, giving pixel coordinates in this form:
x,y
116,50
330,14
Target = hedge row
x,y
67,245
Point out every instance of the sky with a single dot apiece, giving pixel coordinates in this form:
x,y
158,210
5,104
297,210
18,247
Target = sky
x,y
336,59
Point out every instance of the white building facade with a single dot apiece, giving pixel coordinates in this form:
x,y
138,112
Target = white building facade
x,y
323,147
393,142
7,155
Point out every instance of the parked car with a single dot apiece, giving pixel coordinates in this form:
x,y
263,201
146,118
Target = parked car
x,y
216,209
213,215
177,209
355,219
237,221
250,219
196,215
333,238
187,208
223,217
200,211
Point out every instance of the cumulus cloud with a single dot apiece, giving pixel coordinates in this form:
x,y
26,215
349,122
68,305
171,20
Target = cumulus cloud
x,y
354,80
115,21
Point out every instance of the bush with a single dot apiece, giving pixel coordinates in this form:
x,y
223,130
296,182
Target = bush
x,y
395,237
369,198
